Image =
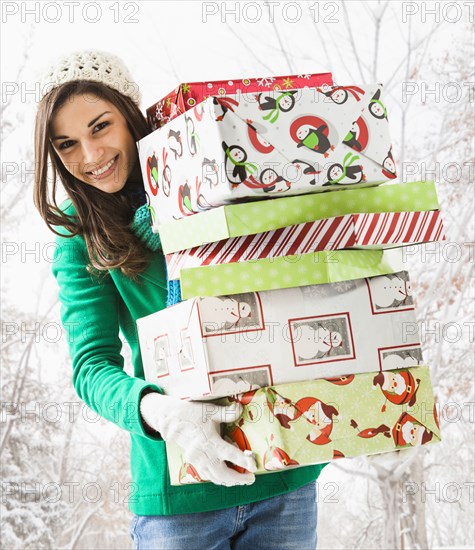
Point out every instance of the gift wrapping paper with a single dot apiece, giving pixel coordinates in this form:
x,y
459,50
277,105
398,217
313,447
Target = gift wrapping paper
x,y
237,220
326,266
376,230
222,345
293,425
188,94
240,147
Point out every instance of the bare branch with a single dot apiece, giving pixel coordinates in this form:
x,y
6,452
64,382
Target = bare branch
x,y
279,39
249,50
352,40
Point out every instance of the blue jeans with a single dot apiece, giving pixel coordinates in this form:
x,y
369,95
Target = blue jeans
x,y
284,522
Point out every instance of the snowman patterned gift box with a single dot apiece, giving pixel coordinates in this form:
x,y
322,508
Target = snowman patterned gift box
x,y
222,345
242,147
292,425
187,95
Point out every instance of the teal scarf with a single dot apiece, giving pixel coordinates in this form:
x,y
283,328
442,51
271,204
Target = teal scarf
x,y
142,227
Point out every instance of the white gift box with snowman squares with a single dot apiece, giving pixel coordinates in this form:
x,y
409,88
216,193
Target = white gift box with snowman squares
x,y
204,348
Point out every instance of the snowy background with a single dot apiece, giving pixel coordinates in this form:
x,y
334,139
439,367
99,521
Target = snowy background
x,y
65,472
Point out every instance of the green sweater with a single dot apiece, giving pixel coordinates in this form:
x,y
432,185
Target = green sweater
x,y
92,314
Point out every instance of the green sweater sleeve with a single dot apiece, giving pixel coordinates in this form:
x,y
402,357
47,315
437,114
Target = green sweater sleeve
x,y
90,316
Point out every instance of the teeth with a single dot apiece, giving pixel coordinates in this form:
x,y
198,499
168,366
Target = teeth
x,y
104,169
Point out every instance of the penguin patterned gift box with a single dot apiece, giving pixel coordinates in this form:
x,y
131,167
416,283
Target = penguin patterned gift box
x,y
216,346
292,425
258,146
189,94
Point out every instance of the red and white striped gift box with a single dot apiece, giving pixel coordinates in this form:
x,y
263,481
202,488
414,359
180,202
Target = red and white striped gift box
x,y
348,231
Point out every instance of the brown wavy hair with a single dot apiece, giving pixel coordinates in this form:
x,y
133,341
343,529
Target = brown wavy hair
x,y
102,219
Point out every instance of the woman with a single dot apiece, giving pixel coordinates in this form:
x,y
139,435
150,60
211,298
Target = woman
x,y
111,271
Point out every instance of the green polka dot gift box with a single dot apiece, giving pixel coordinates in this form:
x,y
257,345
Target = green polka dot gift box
x,y
251,218
327,266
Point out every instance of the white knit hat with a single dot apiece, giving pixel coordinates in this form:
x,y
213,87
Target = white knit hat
x,y
93,65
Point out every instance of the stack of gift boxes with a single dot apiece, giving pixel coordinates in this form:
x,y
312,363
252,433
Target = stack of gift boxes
x,y
278,212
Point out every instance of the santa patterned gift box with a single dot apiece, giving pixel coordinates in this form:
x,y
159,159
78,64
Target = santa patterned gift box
x,y
187,95
293,425
218,346
326,266
376,230
250,218
240,147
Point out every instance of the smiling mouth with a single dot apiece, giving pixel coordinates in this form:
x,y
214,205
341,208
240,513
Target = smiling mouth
x,y
105,169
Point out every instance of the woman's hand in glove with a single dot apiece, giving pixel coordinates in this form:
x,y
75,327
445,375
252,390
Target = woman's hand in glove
x,y
195,428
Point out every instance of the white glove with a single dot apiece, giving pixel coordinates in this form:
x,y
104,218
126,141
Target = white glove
x,y
195,428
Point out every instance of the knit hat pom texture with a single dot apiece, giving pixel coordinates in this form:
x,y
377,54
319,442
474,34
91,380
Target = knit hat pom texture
x,y
92,65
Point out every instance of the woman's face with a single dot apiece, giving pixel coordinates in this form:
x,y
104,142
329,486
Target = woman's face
x,y
93,141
